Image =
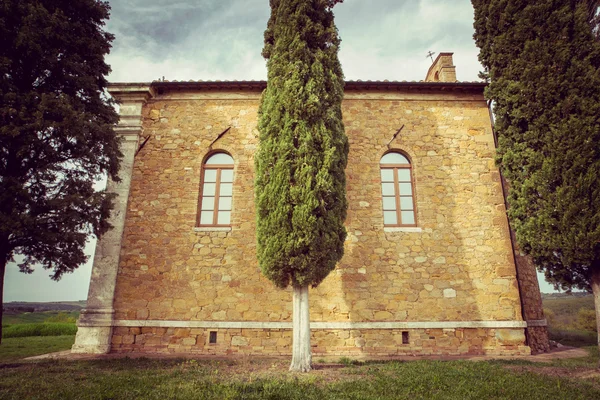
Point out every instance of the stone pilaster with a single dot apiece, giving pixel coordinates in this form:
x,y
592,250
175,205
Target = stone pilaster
x,y
96,320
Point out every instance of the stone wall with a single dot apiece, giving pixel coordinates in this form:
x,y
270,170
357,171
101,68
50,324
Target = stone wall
x,y
377,343
457,265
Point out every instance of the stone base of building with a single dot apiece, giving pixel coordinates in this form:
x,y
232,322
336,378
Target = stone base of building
x,y
324,342
94,331
92,340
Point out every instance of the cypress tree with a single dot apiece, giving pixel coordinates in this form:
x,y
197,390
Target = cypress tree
x,y
56,131
300,180
543,64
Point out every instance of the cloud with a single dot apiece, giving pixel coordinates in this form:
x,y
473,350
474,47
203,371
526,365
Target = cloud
x,y
392,40
190,40
207,40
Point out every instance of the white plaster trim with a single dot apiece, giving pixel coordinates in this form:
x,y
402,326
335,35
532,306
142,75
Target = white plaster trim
x,y
321,325
406,229
204,324
212,229
537,322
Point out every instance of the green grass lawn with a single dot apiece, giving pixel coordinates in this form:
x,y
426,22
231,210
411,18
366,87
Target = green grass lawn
x,y
269,379
262,379
13,349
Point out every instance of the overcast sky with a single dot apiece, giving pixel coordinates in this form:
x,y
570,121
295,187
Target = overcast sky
x,y
223,39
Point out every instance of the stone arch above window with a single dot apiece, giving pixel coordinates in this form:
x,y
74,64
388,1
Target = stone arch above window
x,y
397,190
216,191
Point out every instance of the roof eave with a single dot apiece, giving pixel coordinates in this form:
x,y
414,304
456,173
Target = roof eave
x,y
170,86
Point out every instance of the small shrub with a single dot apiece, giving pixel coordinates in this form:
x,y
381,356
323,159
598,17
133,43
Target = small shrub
x,y
550,317
61,317
45,329
586,319
347,362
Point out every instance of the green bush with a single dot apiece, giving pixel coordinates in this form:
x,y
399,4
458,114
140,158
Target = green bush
x,y
586,319
550,317
62,317
45,329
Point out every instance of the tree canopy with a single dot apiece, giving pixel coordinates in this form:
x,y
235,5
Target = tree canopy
x,y
300,165
56,131
543,64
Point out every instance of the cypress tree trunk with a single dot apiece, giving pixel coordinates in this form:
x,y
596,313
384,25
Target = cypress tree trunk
x,y
596,290
301,355
3,262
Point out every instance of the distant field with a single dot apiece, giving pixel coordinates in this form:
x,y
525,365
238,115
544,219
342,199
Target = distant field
x,y
571,321
36,317
49,306
567,307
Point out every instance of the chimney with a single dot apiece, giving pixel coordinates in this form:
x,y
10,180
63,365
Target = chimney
x,y
442,69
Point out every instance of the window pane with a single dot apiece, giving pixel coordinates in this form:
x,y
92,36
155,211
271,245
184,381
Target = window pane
x,y
408,217
389,203
394,158
387,189
387,175
224,218
390,218
208,203
219,158
226,175
210,175
206,218
208,189
226,189
405,189
404,175
224,203
406,203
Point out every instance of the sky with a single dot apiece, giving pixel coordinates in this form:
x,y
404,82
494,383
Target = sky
x,y
223,39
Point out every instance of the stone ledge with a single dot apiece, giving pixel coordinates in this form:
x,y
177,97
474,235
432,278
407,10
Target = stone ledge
x,y
212,229
537,322
320,325
407,229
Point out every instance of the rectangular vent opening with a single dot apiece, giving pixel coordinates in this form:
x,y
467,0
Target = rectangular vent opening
x,y
212,337
405,337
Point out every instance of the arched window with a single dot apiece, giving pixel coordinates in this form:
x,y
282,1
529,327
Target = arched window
x,y
397,191
216,191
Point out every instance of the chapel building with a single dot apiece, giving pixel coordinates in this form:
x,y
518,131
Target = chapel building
x,y
429,263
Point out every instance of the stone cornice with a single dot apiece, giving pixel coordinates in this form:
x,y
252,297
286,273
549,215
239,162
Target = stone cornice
x,y
132,92
151,89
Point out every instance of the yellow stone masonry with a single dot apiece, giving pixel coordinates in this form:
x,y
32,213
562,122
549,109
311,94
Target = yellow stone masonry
x,y
457,265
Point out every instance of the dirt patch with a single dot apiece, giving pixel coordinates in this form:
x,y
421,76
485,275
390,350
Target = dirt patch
x,y
247,370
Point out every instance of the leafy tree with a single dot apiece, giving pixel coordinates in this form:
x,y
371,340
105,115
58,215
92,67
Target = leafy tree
x,y
544,69
56,131
300,179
